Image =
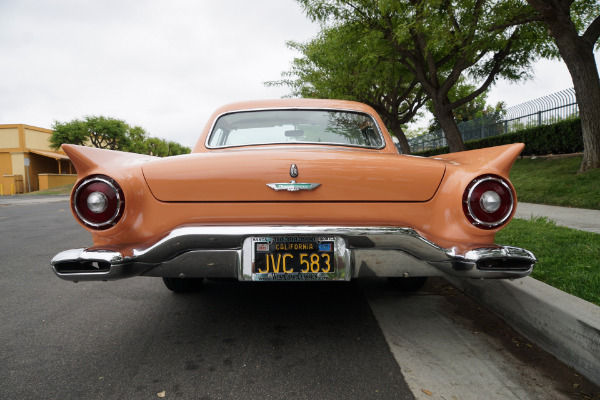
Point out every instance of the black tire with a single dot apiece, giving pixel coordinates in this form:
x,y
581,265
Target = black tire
x,y
183,285
408,285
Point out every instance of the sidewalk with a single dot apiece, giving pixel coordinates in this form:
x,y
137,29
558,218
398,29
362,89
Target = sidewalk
x,y
22,199
576,218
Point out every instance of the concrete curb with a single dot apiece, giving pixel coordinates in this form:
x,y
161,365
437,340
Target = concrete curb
x,y
563,325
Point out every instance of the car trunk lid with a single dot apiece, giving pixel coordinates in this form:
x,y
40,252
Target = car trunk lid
x,y
342,175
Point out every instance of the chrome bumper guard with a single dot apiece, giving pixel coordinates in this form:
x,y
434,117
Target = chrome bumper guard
x,y
219,252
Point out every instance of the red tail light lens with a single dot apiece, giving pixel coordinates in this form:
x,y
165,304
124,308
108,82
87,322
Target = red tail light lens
x,y
99,202
488,201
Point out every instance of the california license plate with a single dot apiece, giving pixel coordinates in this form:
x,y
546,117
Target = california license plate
x,y
293,258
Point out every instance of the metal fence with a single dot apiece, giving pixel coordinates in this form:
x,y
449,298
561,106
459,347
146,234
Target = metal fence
x,y
543,111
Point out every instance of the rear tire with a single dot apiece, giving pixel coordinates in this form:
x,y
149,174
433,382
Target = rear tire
x,y
408,285
183,285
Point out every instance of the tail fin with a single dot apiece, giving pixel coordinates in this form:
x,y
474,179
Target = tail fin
x,y
499,159
87,159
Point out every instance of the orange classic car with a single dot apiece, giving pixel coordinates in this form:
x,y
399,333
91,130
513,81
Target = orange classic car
x,y
293,190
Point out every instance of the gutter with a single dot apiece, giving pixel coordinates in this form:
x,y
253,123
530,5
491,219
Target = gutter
x,y
561,324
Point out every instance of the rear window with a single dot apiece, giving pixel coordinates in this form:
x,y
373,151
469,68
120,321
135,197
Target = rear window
x,y
333,127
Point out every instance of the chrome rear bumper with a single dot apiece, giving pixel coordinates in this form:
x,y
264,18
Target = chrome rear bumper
x,y
212,252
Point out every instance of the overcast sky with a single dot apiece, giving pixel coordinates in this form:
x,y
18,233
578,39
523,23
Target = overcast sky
x,y
163,65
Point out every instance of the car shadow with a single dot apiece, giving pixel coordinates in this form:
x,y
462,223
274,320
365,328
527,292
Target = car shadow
x,y
235,340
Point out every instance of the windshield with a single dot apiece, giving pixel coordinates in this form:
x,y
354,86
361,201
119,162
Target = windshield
x,y
295,126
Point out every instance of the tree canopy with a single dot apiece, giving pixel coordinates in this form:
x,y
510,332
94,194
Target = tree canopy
x,y
100,132
352,63
440,41
113,134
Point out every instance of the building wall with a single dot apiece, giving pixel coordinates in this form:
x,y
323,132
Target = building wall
x,y
16,142
6,174
5,164
9,138
18,163
37,138
53,180
11,184
40,164
43,165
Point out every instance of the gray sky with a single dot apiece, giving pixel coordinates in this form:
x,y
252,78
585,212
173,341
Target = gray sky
x,y
164,65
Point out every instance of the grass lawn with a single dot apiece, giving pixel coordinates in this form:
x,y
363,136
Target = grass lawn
x,y
556,182
569,259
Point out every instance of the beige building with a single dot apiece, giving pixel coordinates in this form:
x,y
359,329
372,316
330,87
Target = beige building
x,y
27,163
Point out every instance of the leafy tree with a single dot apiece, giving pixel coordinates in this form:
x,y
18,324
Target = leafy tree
x,y
175,149
137,140
74,132
352,63
112,134
107,133
157,147
100,132
439,41
575,28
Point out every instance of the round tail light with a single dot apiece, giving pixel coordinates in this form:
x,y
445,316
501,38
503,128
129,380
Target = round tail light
x,y
488,201
99,202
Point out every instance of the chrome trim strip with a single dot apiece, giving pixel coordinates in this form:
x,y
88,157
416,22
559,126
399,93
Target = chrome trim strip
x,y
498,252
293,186
211,251
108,256
303,108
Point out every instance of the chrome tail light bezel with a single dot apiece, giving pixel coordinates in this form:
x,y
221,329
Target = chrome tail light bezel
x,y
117,204
473,209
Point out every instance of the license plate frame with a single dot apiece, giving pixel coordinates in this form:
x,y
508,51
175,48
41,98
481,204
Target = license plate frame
x,y
296,258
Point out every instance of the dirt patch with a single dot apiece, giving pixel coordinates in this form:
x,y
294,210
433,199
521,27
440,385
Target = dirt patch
x,y
479,319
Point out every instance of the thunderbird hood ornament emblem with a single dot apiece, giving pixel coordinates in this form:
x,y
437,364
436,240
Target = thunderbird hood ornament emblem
x,y
293,186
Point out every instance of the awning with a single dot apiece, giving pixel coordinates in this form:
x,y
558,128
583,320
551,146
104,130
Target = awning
x,y
56,156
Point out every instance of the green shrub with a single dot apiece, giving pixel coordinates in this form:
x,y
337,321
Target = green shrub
x,y
564,137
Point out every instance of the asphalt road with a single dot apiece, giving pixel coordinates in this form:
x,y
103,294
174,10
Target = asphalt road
x,y
133,339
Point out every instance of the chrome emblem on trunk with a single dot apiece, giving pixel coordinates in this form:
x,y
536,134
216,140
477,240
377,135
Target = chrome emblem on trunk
x,y
293,186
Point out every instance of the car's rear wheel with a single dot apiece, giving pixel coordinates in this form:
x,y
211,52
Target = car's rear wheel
x,y
412,284
183,285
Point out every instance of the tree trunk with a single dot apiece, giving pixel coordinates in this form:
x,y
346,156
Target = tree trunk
x,y
399,133
446,119
584,73
577,51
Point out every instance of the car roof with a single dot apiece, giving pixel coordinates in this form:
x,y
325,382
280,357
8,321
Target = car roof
x,y
301,103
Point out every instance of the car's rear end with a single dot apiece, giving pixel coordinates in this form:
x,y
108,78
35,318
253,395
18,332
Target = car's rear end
x,y
294,206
